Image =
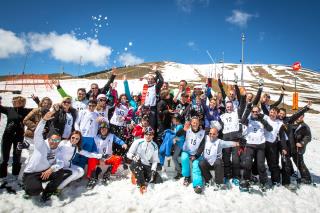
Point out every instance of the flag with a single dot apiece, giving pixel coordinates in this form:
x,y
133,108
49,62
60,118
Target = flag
x,y
296,66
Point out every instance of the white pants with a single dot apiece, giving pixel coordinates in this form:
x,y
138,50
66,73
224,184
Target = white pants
x,y
77,172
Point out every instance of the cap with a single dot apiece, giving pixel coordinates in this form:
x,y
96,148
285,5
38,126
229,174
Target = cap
x,y
148,131
101,96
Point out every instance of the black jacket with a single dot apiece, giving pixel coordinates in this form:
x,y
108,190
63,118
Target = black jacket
x,y
103,90
58,122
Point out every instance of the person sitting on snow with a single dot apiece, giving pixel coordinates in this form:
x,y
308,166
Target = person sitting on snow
x,y
104,142
144,156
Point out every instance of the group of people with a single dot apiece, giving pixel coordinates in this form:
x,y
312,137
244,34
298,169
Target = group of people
x,y
204,131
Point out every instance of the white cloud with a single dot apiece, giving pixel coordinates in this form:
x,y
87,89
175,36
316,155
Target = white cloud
x,y
240,18
187,5
129,59
10,44
68,48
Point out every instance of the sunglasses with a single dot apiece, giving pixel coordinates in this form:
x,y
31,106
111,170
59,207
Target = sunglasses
x,y
75,138
94,87
255,111
55,140
66,102
102,100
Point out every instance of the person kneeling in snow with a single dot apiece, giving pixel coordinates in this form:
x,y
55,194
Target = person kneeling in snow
x,y
212,154
144,156
194,139
44,164
104,142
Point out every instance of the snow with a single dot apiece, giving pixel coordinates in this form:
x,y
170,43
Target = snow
x,y
171,196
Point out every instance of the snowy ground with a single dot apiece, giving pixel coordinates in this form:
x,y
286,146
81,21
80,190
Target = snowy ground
x,y
171,196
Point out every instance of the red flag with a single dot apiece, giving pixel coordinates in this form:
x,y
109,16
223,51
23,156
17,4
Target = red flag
x,y
296,66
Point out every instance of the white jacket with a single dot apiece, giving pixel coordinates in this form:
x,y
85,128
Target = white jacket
x,y
147,151
87,123
43,156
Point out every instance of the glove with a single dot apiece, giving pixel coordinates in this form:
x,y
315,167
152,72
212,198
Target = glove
x,y
153,177
260,117
136,158
260,82
23,145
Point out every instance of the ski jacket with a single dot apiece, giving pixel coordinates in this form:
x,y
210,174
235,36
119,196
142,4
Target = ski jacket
x,y
87,123
104,145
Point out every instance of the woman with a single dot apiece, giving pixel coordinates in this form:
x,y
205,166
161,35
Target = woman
x,y
211,113
67,150
13,134
121,115
64,118
31,122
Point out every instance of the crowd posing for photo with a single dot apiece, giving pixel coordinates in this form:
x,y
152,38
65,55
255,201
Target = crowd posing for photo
x,y
216,139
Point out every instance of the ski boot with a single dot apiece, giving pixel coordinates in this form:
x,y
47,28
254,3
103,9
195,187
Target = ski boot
x,y
198,189
178,176
235,181
218,187
143,189
92,183
244,186
186,181
106,176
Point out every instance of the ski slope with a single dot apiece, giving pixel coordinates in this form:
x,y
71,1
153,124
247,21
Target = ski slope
x,y
170,196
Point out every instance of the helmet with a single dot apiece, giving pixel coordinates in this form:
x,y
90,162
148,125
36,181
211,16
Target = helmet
x,y
148,131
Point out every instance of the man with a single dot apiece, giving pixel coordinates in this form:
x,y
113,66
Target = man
x,y
80,102
145,157
288,121
212,154
152,96
44,165
255,146
182,106
194,138
299,138
230,126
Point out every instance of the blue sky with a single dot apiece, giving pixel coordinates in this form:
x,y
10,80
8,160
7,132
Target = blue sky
x,y
84,36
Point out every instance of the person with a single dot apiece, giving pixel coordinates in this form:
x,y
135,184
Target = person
x,y
194,138
104,142
66,151
171,141
234,94
299,138
31,122
286,163
80,102
44,165
132,102
138,130
102,108
273,145
118,123
255,146
164,113
212,158
265,101
232,131
95,90
152,96
13,133
64,118
181,106
182,89
211,112
144,156
88,121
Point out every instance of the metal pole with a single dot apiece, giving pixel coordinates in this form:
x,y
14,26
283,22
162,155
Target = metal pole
x,y
242,58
